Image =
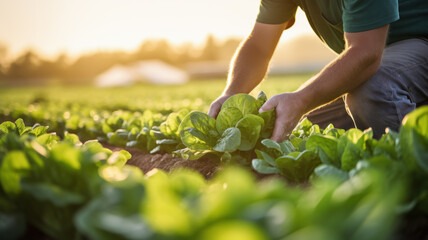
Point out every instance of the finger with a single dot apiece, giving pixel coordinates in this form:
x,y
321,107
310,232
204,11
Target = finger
x,y
280,131
267,106
214,109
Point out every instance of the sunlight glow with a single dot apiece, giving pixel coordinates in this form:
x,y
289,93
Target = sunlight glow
x,y
53,26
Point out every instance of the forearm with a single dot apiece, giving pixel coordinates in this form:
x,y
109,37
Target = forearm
x,y
247,69
349,70
250,63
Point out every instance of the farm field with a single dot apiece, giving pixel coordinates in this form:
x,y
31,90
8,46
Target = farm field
x,y
146,162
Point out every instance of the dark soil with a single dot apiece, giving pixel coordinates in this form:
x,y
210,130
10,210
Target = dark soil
x,y
412,226
207,166
146,162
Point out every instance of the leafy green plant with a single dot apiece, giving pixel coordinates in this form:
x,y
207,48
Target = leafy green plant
x,y
183,205
47,179
297,157
238,127
359,189
283,158
412,148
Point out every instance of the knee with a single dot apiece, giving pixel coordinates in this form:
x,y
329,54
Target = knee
x,y
365,99
379,103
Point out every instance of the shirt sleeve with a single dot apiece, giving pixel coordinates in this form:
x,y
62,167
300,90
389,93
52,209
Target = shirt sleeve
x,y
276,11
364,15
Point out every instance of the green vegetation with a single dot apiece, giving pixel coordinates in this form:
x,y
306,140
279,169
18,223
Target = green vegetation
x,y
238,128
326,183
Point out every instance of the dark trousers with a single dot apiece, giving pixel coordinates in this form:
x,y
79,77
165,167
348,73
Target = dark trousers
x,y
399,86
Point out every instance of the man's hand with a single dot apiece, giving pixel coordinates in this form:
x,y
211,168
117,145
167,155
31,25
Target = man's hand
x,y
216,105
250,62
289,110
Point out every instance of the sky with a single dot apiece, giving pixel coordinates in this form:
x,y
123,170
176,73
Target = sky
x,y
51,27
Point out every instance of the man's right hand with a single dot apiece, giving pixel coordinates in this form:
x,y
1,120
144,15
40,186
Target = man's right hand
x,y
216,105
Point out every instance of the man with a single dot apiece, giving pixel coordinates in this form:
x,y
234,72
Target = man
x,y
381,69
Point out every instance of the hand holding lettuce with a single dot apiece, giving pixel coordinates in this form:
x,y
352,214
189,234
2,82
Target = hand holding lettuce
x,y
238,127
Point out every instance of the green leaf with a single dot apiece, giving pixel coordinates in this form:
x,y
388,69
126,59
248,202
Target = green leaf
x,y
266,157
47,139
191,154
233,229
228,117
298,166
386,145
326,148
166,142
250,127
198,132
349,148
287,147
20,125
269,143
298,143
244,102
54,194
38,130
172,124
195,139
269,123
8,126
302,129
334,132
115,213
229,141
72,138
329,171
262,166
119,158
261,99
413,141
118,138
65,157
15,166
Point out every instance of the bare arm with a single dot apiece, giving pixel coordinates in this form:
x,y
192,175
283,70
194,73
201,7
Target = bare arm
x,y
250,63
251,60
355,65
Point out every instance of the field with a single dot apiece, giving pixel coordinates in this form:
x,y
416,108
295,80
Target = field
x,y
146,162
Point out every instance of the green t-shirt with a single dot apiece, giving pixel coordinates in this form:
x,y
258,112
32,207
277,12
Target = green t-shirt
x,y
331,18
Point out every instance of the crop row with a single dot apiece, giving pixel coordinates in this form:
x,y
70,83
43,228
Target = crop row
x,y
68,190
53,181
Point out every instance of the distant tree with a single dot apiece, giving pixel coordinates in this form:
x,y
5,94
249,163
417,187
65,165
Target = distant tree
x,y
3,56
155,49
53,68
210,51
25,66
228,48
186,53
2,72
30,65
60,66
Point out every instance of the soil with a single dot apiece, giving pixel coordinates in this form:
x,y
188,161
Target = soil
x,y
206,166
146,162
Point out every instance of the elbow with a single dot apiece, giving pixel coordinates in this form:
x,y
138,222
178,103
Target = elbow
x,y
374,59
369,60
